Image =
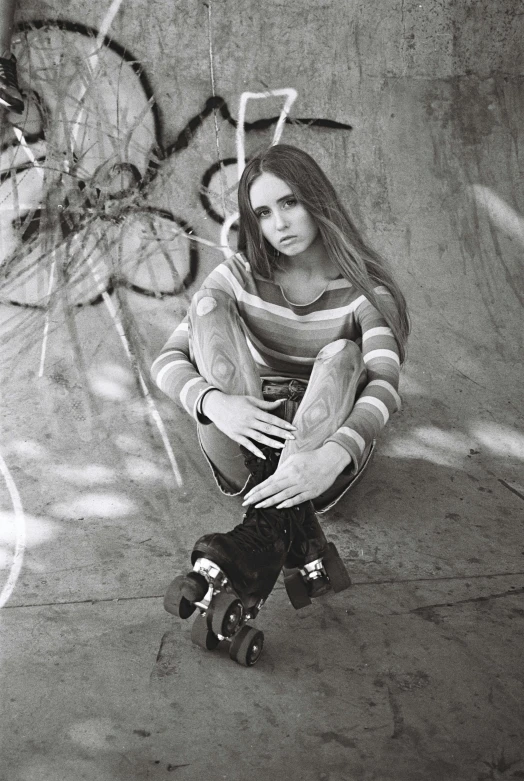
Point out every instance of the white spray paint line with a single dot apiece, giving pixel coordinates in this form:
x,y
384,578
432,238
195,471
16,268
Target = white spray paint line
x,y
213,92
502,214
20,545
108,20
47,315
199,239
27,150
104,29
224,235
190,237
29,153
153,411
290,95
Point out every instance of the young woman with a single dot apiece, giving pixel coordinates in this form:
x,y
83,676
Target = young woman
x,y
289,361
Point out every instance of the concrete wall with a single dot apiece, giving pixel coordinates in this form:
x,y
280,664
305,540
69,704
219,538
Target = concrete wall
x,y
433,94
414,672
416,112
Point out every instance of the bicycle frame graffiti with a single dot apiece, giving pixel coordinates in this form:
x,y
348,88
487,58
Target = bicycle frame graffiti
x,y
93,184
76,183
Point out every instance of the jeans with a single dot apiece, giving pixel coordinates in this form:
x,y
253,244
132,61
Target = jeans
x,y
219,350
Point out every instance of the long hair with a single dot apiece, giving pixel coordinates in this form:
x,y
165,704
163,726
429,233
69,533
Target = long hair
x,y
359,263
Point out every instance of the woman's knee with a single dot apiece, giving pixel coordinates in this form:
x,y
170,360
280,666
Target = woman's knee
x,y
208,300
341,350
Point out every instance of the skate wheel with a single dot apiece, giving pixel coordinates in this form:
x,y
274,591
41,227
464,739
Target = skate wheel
x,y
202,636
225,614
174,600
195,587
296,590
246,646
336,569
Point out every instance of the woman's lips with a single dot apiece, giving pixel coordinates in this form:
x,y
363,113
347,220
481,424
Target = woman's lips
x,y
287,239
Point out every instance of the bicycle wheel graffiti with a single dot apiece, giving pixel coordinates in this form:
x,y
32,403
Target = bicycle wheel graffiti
x,y
83,177
87,172
78,215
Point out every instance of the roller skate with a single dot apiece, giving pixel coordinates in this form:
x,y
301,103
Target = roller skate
x,y
313,566
233,575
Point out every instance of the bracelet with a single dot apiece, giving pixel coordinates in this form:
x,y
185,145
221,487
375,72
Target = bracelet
x,y
203,419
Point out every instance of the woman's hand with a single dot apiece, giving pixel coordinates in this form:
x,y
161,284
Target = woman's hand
x,y
301,477
246,418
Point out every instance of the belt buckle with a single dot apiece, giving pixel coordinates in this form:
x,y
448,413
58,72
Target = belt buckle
x,y
273,390
296,390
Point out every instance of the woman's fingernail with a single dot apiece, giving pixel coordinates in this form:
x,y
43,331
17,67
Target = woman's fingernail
x,y
290,436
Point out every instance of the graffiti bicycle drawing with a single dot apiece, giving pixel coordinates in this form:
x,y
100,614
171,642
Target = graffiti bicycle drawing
x,y
89,172
77,220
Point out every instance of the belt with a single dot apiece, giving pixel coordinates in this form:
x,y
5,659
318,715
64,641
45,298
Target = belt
x,y
283,389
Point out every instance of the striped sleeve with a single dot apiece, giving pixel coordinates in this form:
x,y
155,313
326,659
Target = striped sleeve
x,y
173,371
379,398
176,376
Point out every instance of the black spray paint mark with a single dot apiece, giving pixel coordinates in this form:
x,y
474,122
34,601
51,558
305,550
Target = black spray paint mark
x,y
111,207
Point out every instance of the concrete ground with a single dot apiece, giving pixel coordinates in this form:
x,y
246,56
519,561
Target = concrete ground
x,y
413,674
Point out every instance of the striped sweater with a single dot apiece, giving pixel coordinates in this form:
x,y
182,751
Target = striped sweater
x,y
284,339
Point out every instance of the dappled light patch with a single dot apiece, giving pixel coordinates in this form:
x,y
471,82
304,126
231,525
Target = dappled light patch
x,y
503,215
92,733
88,474
499,439
27,448
430,443
444,440
144,470
128,444
38,530
450,448
95,505
112,382
6,557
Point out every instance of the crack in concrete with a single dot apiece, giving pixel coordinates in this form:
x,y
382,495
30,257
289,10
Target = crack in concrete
x,y
85,601
446,578
223,183
513,487
165,663
398,718
509,592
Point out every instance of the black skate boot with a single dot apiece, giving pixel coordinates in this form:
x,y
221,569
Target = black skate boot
x,y
313,566
234,573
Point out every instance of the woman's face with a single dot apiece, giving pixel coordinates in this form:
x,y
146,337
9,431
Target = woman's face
x,y
284,222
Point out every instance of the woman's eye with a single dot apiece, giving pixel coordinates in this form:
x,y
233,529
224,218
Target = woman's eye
x,y
263,213
291,202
